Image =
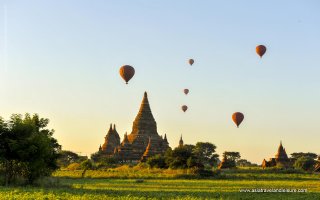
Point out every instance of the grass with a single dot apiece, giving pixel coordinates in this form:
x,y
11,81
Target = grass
x,y
168,184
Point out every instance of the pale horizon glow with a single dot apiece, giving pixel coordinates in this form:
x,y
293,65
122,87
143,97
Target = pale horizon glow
x,y
60,59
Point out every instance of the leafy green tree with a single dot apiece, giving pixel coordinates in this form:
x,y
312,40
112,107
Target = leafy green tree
x,y
297,155
192,156
85,165
27,148
178,157
194,162
204,152
229,159
305,163
232,155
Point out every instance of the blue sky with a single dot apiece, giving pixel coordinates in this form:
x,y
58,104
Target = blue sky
x,y
61,59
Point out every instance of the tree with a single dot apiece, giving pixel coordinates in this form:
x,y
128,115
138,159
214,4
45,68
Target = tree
x,y
85,165
232,155
178,157
229,159
297,155
305,163
204,152
27,148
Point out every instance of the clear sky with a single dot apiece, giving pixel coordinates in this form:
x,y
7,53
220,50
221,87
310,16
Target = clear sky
x,y
61,59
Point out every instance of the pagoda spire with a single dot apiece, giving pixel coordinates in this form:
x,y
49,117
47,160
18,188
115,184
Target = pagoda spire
x,y
145,107
110,129
280,149
181,141
144,123
281,154
100,148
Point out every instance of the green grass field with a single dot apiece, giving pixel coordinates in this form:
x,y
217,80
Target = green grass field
x,y
168,184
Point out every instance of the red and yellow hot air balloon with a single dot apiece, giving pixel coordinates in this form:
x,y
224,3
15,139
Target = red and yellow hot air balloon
x,y
191,61
184,108
261,50
186,91
126,72
237,118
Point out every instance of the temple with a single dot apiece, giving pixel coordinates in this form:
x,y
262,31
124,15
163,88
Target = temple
x,y
143,141
280,160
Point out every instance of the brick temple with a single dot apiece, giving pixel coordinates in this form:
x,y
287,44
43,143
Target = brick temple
x,y
280,159
143,141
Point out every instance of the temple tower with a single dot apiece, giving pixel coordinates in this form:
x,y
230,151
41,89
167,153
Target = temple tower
x,y
181,141
143,141
112,140
145,127
144,123
280,160
281,154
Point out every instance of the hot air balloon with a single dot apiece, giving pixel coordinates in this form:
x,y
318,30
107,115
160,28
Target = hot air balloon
x,y
191,61
186,91
261,50
237,117
126,72
184,108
